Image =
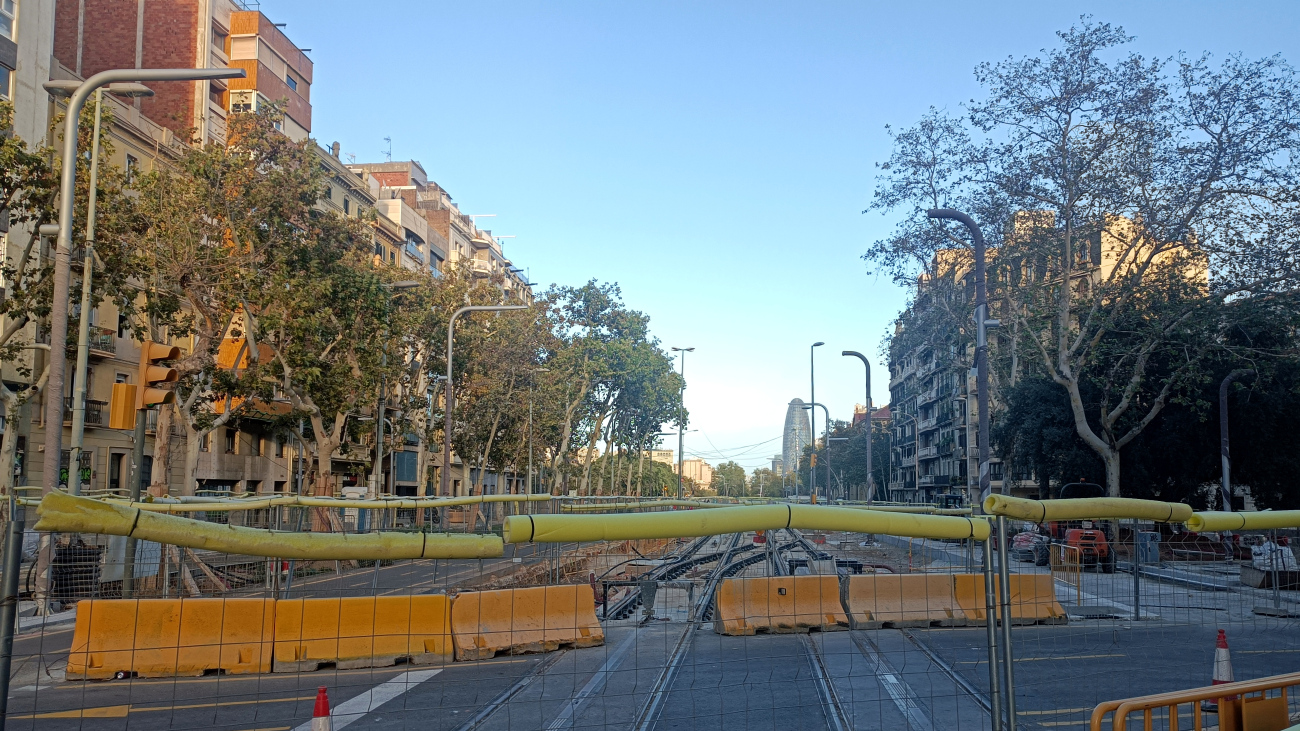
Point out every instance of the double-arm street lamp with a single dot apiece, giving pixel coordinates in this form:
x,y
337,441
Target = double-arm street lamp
x,y
871,478
63,249
445,486
65,88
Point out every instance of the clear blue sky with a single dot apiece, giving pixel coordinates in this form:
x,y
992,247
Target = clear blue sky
x,y
712,158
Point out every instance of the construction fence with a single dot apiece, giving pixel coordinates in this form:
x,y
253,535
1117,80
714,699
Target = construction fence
x,y
781,628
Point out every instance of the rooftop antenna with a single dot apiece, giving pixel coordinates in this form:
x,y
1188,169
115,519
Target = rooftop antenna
x,y
351,156
388,154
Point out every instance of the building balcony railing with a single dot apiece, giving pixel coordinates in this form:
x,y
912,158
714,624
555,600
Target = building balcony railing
x,y
928,424
103,341
928,453
927,368
96,412
935,480
928,396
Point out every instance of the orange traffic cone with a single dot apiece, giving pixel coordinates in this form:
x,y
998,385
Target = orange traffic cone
x,y
320,717
1222,671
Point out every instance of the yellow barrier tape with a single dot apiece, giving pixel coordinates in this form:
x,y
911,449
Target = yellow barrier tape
x,y
690,523
1256,520
66,513
1092,508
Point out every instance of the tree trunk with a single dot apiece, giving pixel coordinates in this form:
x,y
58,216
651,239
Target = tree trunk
x,y
159,478
1111,458
585,487
193,441
640,472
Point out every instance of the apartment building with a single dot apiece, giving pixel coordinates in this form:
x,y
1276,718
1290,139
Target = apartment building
x,y
95,35
453,238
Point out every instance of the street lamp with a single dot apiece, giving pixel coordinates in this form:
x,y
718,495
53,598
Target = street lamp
x,y
681,407
812,415
445,485
982,323
871,479
63,250
372,492
812,490
1225,487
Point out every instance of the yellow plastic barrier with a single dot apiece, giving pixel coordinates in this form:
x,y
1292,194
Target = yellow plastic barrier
x,y
361,632
158,638
537,619
778,604
1033,598
68,514
690,523
1091,508
1258,520
902,600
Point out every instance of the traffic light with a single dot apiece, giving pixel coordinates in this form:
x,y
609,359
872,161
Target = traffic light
x,y
128,397
145,395
814,459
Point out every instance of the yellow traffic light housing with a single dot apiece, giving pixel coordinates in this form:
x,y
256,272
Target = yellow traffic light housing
x,y
146,395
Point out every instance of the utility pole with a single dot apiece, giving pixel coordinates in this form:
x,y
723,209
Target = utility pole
x,y
1225,487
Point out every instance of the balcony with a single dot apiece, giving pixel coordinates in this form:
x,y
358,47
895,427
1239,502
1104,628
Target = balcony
x,y
935,480
103,342
927,368
480,267
929,424
96,412
929,396
928,453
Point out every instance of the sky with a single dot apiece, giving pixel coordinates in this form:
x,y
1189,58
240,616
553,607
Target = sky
x,y
712,158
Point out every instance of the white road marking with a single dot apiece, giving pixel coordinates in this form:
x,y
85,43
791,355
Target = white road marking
x,y
354,709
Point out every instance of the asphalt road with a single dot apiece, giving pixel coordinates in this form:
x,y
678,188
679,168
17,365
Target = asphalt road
x,y
933,678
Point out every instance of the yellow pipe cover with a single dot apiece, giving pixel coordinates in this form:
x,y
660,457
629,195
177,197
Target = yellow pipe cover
x,y
65,513
1092,508
1255,520
327,502
684,524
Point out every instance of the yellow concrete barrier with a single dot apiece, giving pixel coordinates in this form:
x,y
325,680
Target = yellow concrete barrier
x,y
1033,598
157,638
361,632
536,619
779,604
901,600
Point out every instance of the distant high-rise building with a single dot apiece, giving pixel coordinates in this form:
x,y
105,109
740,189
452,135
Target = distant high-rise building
x,y
796,435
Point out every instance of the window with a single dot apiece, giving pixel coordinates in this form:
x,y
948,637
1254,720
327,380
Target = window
x,y
379,250
279,485
115,471
230,441
204,443
219,37
132,166
292,82
122,378
7,13
5,77
347,205
279,447
214,96
253,485
123,329
255,445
